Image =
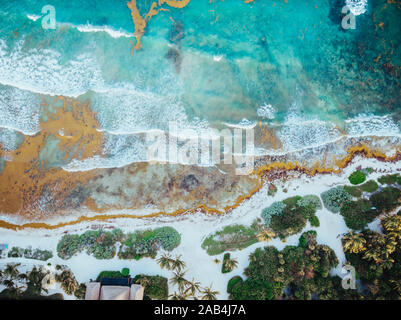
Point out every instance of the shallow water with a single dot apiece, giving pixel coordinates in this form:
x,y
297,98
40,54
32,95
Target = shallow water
x,y
287,65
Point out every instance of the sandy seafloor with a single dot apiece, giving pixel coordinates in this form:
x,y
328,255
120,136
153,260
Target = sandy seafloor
x,y
194,228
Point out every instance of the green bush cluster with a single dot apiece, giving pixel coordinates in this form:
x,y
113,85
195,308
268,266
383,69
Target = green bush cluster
x,y
29,253
390,179
354,191
125,272
156,287
147,243
370,186
386,200
290,216
102,244
357,214
302,270
111,274
275,209
99,243
233,237
335,198
357,177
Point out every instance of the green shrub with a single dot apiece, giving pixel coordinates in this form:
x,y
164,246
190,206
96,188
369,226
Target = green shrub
x,y
304,238
335,198
289,222
15,252
386,200
102,244
357,214
234,282
354,191
311,199
168,237
292,201
68,246
314,221
125,272
357,177
275,209
305,268
290,216
110,274
370,186
146,243
156,287
390,179
233,237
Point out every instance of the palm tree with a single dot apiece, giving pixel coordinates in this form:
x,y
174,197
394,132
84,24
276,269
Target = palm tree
x,y
9,283
354,242
178,264
230,264
11,270
143,281
193,287
179,280
209,294
372,254
265,235
397,286
165,261
68,282
178,296
34,280
392,225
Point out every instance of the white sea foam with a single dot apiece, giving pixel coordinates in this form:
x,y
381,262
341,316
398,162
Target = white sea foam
x,y
266,111
19,110
357,7
243,124
42,71
132,111
371,125
110,31
33,17
8,139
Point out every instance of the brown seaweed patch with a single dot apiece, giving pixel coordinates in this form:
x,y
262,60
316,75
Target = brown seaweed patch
x,y
28,186
140,22
361,149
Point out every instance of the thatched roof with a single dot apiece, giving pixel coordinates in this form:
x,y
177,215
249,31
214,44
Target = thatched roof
x,y
92,291
136,292
114,293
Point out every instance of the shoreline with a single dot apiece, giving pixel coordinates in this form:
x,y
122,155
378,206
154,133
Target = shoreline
x,y
261,173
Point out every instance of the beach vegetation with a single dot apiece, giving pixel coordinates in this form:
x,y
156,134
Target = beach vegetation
x,y
296,272
229,264
335,198
103,244
357,177
156,287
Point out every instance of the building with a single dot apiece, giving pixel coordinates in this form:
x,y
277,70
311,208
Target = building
x,y
114,289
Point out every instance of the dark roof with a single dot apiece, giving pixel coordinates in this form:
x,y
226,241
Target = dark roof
x,y
115,282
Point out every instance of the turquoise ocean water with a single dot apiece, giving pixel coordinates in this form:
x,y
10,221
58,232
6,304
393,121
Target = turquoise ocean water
x,y
288,64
